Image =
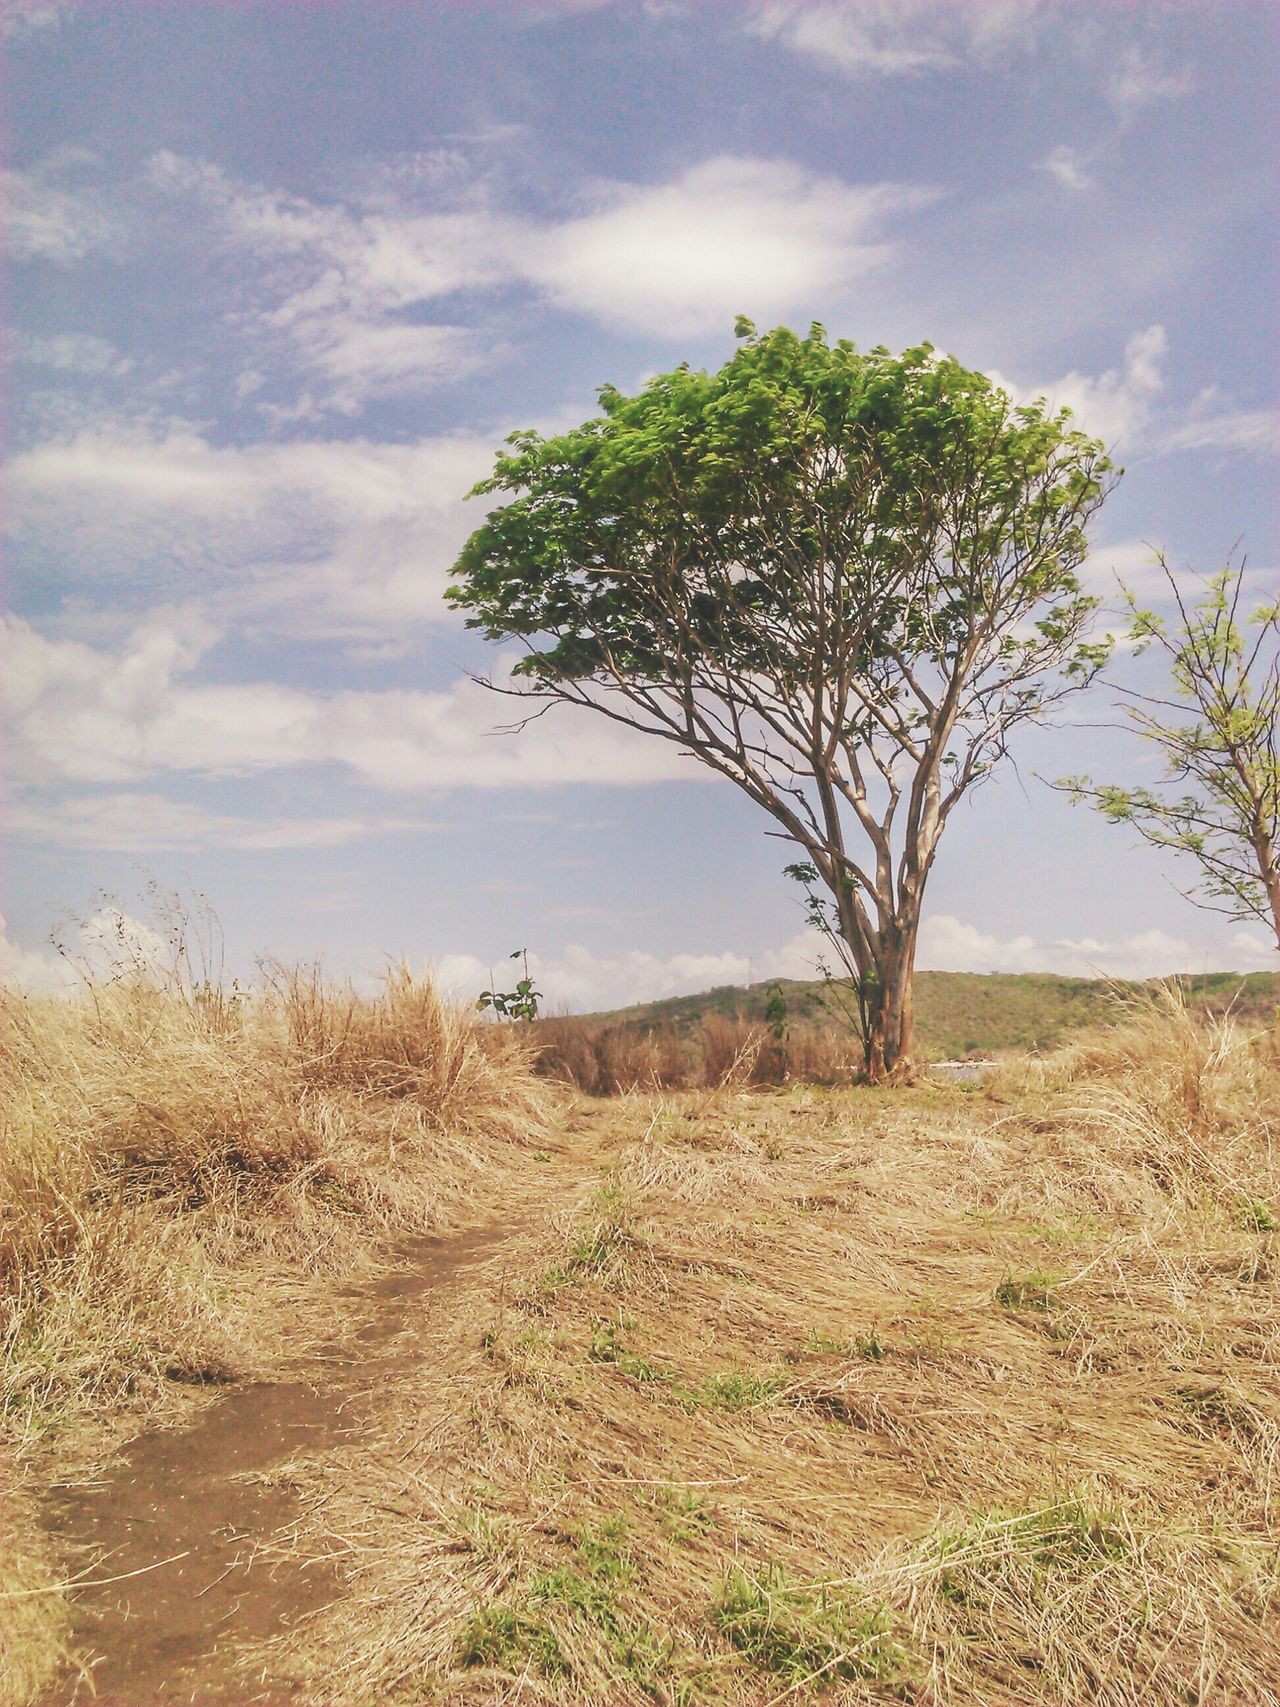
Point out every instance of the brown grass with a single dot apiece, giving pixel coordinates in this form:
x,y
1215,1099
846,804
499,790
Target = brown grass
x,y
926,1396
609,1057
173,1162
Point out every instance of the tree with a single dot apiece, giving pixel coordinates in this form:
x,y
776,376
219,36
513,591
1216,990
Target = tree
x,y
838,579
1219,798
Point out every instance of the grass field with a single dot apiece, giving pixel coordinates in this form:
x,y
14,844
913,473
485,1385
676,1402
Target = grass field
x,y
953,1396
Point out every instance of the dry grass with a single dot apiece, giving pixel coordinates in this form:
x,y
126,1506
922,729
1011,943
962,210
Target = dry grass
x,y
610,1057
174,1162
926,1396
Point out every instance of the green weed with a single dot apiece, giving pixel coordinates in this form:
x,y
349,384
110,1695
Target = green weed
x,y
683,1513
802,1632
508,1638
1030,1291
522,1631
607,1347
869,1347
734,1390
1257,1216
1071,1538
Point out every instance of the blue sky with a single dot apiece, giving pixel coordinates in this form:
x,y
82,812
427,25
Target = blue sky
x,y
282,277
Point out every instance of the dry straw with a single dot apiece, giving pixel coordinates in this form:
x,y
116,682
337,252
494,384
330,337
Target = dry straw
x,y
173,1159
953,1398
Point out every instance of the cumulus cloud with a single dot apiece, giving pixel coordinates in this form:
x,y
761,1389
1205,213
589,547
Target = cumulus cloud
x,y
898,38
728,235
41,971
582,981
948,944
1252,951
1124,406
1115,406
85,714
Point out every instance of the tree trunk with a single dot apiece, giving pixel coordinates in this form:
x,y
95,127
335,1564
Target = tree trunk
x,y
1269,870
891,1012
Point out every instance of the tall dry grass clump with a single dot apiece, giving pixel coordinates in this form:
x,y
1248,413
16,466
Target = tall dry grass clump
x,y
1181,1101
158,1142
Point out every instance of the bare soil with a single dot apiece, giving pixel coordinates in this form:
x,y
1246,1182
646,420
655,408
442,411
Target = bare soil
x,y
181,1545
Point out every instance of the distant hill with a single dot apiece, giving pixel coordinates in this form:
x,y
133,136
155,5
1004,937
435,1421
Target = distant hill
x,y
968,1013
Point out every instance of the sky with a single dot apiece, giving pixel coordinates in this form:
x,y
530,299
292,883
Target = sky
x,y
281,278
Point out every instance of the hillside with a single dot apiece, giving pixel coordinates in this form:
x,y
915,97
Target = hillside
x,y
969,1013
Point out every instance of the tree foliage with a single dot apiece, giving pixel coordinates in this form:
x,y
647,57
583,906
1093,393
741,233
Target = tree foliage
x,y
1218,801
840,579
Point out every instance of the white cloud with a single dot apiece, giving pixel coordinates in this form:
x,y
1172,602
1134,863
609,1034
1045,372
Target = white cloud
x,y
896,38
1210,426
51,215
348,535
580,980
40,971
22,18
948,944
1067,167
148,822
1121,406
341,289
1137,80
71,352
81,714
731,235
1252,951
359,298
348,285
1115,406
1131,562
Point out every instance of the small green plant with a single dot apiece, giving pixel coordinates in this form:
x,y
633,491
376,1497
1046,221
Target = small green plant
x,y
803,1632
518,1004
775,1013
1258,1216
734,1390
523,1630
684,1513
854,995
1030,1291
508,1638
974,1559
869,1347
607,1347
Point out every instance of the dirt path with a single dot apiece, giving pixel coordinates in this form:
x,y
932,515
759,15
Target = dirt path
x,y
186,1522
